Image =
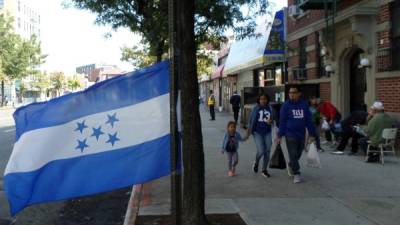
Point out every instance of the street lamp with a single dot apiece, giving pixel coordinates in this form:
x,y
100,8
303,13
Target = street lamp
x,y
329,69
365,63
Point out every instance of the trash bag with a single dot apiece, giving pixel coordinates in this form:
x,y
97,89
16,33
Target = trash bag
x,y
313,157
325,125
278,159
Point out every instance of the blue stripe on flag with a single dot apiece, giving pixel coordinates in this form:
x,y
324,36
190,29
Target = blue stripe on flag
x,y
120,91
90,174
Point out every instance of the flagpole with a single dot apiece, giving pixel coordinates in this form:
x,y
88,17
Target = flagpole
x,y
173,87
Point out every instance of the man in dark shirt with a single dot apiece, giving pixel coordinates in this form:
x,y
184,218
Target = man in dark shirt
x,y
348,131
235,102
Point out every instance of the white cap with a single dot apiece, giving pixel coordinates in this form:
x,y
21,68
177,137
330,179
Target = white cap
x,y
378,105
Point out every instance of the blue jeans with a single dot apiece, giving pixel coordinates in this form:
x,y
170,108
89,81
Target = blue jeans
x,y
263,144
295,148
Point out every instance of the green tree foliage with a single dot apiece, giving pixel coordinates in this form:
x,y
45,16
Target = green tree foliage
x,y
204,64
74,83
139,57
18,57
41,82
58,82
149,18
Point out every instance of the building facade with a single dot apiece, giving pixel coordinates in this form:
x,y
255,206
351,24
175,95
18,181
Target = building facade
x,y
350,49
86,69
103,73
26,23
26,17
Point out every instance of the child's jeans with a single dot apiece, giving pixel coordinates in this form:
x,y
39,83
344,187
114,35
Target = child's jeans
x,y
233,159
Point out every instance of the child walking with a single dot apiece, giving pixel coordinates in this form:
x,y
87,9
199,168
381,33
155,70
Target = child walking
x,y
230,145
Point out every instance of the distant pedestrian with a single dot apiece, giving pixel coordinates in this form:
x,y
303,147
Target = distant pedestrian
x,y
260,126
211,105
295,117
332,116
349,124
316,120
230,145
235,102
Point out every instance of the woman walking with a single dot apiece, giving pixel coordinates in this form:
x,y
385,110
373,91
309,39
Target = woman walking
x,y
260,126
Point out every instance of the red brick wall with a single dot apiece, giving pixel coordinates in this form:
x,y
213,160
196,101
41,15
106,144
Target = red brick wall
x,y
388,91
385,36
384,13
314,15
383,41
311,39
325,91
293,61
312,56
299,23
294,44
312,73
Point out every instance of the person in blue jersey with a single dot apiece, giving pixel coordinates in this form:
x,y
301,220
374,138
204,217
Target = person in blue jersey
x,y
295,117
230,145
260,126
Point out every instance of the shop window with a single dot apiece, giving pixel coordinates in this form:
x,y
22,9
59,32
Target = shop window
x,y
269,77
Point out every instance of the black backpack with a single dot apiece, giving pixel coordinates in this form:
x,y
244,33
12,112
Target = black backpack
x,y
231,144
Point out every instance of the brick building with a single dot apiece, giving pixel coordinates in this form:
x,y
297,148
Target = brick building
x,y
350,49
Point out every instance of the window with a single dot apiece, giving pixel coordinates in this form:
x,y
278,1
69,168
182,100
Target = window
x,y
303,52
19,22
1,4
396,35
302,71
320,57
269,77
19,6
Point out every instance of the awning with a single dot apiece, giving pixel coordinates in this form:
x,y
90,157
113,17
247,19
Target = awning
x,y
251,53
218,72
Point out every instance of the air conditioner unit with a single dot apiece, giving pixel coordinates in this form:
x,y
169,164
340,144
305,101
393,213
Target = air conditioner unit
x,y
294,10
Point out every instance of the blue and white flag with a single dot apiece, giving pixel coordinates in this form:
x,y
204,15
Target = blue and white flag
x,y
112,135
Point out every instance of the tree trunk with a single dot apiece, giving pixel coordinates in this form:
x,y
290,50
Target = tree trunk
x,y
159,52
2,93
192,139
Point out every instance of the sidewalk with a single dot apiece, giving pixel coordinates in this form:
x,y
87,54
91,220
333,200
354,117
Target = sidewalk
x,y
346,190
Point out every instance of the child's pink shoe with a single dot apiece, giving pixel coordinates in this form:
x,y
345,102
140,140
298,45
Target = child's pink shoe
x,y
233,172
230,173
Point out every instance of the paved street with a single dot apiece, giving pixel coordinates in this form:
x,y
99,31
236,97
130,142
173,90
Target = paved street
x,y
7,137
346,190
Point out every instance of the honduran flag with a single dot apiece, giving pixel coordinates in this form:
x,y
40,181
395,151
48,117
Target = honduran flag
x,y
112,135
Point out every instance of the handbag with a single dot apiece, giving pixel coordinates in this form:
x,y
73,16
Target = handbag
x,y
278,159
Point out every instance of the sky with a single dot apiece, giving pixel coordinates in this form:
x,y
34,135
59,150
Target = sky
x,y
70,38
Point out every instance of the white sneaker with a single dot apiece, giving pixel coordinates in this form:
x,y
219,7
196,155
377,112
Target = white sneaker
x,y
337,152
297,179
289,170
